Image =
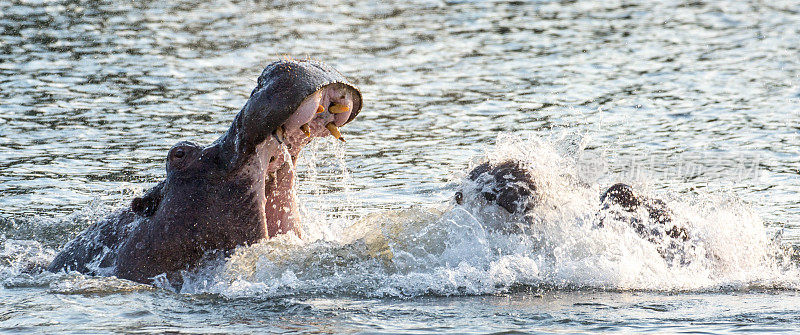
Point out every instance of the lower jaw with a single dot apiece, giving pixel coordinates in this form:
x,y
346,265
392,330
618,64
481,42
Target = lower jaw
x,y
281,212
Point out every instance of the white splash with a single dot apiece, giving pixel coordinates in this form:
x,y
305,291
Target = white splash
x,y
447,249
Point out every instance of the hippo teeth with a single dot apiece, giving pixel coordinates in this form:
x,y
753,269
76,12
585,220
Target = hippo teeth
x,y
334,130
338,109
320,109
280,134
306,130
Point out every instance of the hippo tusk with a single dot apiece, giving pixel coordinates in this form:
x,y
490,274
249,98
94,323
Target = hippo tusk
x,y
334,131
280,134
338,109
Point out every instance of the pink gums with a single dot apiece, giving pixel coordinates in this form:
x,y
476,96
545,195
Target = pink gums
x,y
282,212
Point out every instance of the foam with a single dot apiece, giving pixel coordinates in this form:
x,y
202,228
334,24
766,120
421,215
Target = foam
x,y
445,249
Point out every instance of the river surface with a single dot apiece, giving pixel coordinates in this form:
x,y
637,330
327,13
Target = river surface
x,y
693,102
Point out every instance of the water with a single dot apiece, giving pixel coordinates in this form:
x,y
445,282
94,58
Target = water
x,y
697,103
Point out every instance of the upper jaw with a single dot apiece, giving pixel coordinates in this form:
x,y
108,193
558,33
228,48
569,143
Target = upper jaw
x,y
308,123
319,115
332,103
288,96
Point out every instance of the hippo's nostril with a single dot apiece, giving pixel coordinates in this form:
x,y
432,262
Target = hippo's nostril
x,y
179,153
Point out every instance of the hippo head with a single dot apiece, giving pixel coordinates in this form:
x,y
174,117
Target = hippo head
x,y
506,184
620,195
239,189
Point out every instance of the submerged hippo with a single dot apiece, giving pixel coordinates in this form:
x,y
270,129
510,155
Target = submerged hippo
x,y
507,185
235,191
622,203
511,187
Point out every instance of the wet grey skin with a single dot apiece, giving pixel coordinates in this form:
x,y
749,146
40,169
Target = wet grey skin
x,y
235,191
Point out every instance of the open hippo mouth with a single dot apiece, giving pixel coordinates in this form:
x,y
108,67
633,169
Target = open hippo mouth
x,y
235,191
293,103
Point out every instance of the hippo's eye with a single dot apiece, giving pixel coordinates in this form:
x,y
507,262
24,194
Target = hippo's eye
x,y
180,156
179,153
459,198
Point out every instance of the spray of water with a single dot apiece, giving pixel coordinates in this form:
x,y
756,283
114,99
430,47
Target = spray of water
x,y
477,248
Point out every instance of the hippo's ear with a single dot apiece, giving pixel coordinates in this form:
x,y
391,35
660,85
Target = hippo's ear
x,y
479,170
147,204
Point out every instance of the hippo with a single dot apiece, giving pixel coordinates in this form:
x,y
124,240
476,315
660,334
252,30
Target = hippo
x,y
622,203
506,184
234,192
510,186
